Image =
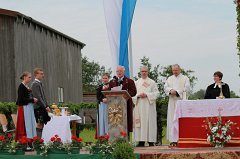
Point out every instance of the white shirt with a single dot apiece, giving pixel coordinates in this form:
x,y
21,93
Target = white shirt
x,y
37,80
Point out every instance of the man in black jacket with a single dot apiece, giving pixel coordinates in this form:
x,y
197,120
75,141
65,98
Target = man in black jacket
x,y
41,108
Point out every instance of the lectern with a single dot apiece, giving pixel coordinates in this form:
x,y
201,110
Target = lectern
x,y
117,112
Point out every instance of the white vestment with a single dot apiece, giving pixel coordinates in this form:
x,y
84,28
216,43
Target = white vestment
x,y
181,84
145,113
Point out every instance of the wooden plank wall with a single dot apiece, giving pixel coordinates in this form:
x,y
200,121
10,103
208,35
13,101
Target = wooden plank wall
x,y
59,57
7,73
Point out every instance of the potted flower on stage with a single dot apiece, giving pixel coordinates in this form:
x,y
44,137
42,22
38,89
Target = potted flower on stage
x,y
19,146
38,144
76,145
123,148
5,141
56,145
102,146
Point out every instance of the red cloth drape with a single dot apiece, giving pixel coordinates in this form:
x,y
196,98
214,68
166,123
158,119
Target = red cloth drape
x,y
20,130
193,134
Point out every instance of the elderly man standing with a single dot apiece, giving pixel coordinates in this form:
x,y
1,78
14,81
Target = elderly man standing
x,y
128,85
177,88
145,113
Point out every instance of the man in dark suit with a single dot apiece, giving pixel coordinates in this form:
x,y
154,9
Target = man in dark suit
x,y
41,108
128,85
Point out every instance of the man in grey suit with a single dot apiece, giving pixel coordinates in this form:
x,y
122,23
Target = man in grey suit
x,y
41,108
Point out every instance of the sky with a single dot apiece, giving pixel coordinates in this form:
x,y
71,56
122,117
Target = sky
x,y
197,34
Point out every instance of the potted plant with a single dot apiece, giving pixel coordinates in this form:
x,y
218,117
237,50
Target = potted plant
x,y
102,146
38,144
123,150
20,145
17,148
76,145
56,146
5,143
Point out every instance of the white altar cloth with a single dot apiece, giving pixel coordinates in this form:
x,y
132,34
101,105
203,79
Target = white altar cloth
x,y
203,108
59,125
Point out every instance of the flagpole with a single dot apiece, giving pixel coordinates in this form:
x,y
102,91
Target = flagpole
x,y
130,54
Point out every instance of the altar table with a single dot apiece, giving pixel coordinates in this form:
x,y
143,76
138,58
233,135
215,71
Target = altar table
x,y
60,125
188,125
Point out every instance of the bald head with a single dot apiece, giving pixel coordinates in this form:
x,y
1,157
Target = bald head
x,y
176,69
120,71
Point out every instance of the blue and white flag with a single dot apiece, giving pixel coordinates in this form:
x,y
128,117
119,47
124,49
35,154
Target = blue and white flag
x,y
119,15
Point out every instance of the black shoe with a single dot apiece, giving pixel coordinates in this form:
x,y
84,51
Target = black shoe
x,y
150,144
174,144
141,144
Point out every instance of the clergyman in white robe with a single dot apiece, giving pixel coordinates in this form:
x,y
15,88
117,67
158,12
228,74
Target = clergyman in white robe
x,y
145,113
181,85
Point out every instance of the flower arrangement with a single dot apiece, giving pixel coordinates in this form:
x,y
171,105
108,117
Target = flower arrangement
x,y
102,146
37,143
76,142
56,142
122,138
119,146
123,148
23,141
5,141
55,145
219,132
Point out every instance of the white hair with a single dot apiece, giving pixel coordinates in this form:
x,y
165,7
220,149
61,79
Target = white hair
x,y
122,67
176,65
144,67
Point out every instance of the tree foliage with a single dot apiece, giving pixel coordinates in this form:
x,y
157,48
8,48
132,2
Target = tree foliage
x,y
91,74
160,73
237,2
198,95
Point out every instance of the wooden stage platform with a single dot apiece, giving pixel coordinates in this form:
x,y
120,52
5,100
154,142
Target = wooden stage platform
x,y
159,152
164,152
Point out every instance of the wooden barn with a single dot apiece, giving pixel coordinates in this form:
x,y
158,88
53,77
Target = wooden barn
x,y
26,44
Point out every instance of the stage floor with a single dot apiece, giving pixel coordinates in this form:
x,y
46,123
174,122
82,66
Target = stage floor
x,y
164,152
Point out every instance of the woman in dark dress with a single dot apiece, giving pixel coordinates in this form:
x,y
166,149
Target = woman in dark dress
x,y
102,128
26,125
213,91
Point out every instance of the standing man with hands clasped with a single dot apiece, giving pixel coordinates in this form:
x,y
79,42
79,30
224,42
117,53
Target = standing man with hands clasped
x,y
41,108
177,88
145,113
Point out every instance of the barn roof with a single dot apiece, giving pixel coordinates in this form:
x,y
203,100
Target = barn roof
x,y
23,17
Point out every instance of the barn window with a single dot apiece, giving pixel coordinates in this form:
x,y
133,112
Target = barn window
x,y
60,95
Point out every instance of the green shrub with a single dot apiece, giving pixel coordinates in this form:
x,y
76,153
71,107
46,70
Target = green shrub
x,y
123,150
74,108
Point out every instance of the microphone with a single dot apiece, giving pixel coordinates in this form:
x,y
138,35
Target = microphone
x,y
115,78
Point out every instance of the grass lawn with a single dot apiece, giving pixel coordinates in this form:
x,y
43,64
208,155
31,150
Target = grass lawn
x,y
88,135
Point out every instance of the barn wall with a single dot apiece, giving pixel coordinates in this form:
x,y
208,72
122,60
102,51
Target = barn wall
x,y
7,74
60,58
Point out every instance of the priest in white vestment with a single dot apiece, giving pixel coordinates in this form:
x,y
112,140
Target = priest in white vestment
x,y
144,113
177,87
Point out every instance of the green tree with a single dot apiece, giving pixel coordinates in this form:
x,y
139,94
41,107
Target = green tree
x,y
233,95
91,74
159,74
198,95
